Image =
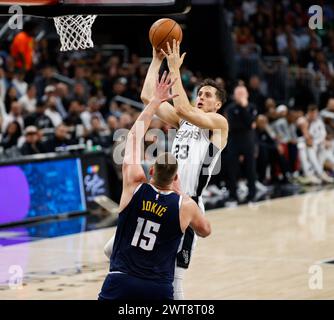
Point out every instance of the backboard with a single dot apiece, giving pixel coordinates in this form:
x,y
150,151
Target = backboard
x,y
51,8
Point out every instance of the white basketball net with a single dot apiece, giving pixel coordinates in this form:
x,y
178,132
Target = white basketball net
x,y
75,31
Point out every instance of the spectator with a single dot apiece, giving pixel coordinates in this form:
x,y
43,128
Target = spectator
x,y
112,127
44,80
114,109
302,93
32,144
51,111
3,84
15,114
98,135
11,95
268,43
20,85
113,72
270,109
22,48
249,8
328,117
38,118
112,124
80,77
79,93
50,94
312,147
269,153
280,126
73,118
255,95
243,35
259,22
63,100
125,121
118,88
292,144
11,135
28,100
325,96
92,110
61,139
241,142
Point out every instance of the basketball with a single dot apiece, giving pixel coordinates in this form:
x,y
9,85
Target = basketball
x,y
163,31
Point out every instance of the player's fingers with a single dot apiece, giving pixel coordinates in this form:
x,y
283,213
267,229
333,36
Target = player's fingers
x,y
164,53
169,49
160,54
174,46
178,47
174,96
163,78
182,57
168,78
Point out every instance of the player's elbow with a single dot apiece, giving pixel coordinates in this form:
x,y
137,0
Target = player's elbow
x,y
144,98
207,230
204,230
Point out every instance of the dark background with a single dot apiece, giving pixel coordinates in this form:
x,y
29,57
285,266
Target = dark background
x,y
206,38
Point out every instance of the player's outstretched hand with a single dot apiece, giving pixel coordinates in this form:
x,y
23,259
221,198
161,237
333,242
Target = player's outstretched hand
x,y
162,88
173,56
157,55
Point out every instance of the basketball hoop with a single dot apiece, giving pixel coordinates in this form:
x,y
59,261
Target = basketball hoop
x,y
75,31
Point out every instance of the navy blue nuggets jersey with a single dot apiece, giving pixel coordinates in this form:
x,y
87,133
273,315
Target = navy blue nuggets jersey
x,y
148,235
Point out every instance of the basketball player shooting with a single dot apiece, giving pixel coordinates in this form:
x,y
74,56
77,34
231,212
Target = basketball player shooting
x,y
202,135
152,218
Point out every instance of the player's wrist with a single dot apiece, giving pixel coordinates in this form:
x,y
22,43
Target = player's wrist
x,y
156,61
173,69
155,101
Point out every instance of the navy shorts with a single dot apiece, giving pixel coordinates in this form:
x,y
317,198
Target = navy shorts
x,y
121,286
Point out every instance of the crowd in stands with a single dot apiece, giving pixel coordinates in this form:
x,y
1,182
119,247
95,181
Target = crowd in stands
x,y
85,97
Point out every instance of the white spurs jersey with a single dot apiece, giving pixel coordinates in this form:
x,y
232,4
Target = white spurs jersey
x,y
196,156
317,131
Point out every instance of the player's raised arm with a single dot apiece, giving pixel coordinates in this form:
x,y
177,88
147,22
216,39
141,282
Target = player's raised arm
x,y
149,83
133,173
165,111
206,119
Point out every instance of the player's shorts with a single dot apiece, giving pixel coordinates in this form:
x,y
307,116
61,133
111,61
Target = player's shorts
x,y
188,242
121,286
184,254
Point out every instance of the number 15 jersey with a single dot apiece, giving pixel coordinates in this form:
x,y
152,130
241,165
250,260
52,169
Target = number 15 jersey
x,y
148,235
